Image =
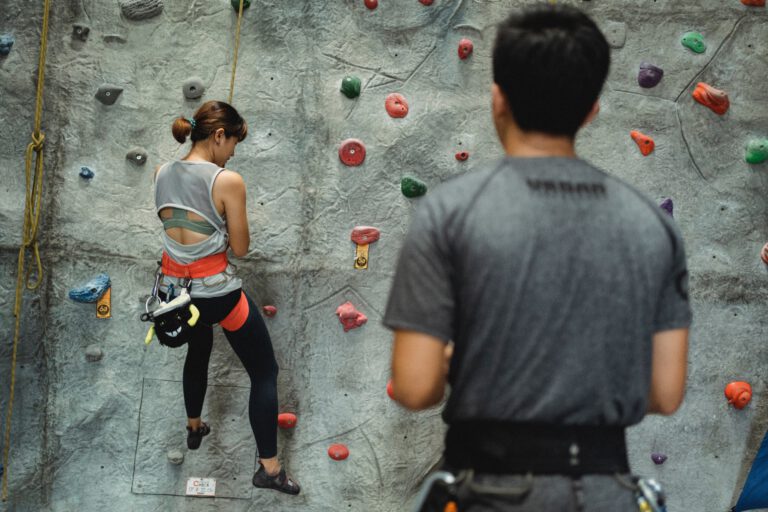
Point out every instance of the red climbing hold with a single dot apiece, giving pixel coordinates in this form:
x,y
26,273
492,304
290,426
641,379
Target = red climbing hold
x,y
715,99
644,142
269,310
286,420
738,393
426,2
396,105
371,4
461,156
754,3
465,48
764,254
365,235
352,152
338,452
350,317
390,390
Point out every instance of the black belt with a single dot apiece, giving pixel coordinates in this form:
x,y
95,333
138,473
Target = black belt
x,y
520,448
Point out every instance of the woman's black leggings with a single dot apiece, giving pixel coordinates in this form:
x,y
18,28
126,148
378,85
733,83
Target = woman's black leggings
x,y
253,346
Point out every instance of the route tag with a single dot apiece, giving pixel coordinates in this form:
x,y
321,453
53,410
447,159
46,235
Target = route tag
x,y
104,305
204,487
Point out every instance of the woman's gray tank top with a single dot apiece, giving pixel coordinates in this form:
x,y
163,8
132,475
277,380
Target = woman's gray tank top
x,y
189,186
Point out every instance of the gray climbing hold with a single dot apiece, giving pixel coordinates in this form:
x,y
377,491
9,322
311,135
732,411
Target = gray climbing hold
x,y
193,88
137,156
86,173
141,9
6,42
175,457
80,31
114,38
92,290
107,94
615,33
93,353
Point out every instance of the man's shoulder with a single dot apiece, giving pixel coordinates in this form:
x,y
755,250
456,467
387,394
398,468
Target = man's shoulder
x,y
458,191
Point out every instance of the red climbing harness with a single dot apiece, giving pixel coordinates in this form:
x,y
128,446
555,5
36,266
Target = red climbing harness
x,y
205,267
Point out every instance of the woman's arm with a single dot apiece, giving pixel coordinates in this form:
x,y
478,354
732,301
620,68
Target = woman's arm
x,y
230,187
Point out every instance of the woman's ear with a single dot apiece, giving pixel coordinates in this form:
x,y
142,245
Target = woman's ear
x,y
219,135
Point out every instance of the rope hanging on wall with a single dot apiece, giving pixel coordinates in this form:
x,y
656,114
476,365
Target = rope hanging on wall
x,y
32,206
237,49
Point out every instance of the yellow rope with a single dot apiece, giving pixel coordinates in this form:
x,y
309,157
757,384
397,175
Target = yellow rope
x,y
237,49
29,234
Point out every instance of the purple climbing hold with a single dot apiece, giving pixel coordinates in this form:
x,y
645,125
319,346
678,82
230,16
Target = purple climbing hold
x,y
667,206
649,75
658,458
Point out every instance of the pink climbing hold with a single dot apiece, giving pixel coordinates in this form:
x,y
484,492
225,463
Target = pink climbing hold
x,y
269,310
286,420
390,390
396,105
338,452
465,48
371,4
352,152
350,317
462,156
764,254
362,235
714,99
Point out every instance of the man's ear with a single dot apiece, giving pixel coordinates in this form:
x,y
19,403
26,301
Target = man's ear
x,y
500,105
592,113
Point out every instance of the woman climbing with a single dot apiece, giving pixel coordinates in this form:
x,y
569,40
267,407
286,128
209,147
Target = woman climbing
x,y
202,207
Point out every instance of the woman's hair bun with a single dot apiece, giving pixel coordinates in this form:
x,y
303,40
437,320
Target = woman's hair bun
x,y
182,129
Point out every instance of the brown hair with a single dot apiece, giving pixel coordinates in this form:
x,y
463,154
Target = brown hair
x,y
211,116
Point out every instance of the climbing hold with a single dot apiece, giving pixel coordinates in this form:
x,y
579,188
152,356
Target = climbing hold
x,y
644,142
694,41
462,156
269,310
352,152
350,317
114,38
107,94
757,151
411,187
390,390
371,4
236,4
6,42
451,506
465,48
338,452
714,99
658,458
137,156
362,236
93,353
738,393
396,105
667,206
350,86
615,33
140,9
754,3
193,88
286,420
426,2
175,457
86,173
764,254
649,75
80,31
92,290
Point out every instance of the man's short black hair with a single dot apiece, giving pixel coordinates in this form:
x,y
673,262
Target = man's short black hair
x,y
551,62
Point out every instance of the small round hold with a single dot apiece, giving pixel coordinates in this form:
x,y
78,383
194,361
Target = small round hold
x,y
175,457
352,152
764,254
390,390
236,5
371,4
86,173
286,420
93,353
738,393
412,187
465,48
137,156
338,452
193,88
396,105
269,310
658,458
351,86
462,156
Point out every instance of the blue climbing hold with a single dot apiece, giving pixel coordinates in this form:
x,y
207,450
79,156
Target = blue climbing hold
x,y
6,42
92,290
86,173
667,206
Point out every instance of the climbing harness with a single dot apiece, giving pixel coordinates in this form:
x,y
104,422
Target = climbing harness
x,y
650,496
32,206
237,49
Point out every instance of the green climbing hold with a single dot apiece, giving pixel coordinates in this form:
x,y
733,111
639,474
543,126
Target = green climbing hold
x,y
412,187
757,151
694,41
236,4
350,86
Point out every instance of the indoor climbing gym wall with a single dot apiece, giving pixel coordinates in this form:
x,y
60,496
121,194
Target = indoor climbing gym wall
x,y
356,108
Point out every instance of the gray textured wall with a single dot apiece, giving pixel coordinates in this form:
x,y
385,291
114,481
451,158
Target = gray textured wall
x,y
93,435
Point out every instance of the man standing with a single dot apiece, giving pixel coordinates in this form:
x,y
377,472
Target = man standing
x,y
551,296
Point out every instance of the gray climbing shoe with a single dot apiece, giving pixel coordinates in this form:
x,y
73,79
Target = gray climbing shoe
x,y
280,482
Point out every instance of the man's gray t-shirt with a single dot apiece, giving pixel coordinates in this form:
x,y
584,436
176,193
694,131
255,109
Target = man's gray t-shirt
x,y
551,277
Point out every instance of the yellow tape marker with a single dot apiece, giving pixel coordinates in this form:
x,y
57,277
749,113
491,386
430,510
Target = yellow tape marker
x,y
361,257
104,305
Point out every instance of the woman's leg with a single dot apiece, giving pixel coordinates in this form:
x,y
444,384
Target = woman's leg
x,y
196,373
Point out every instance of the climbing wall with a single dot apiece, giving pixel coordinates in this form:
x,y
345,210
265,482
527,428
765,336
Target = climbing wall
x,y
98,418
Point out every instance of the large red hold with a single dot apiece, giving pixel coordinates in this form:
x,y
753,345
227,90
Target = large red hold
x,y
350,317
714,99
286,420
396,105
644,142
352,152
754,3
465,48
362,235
338,452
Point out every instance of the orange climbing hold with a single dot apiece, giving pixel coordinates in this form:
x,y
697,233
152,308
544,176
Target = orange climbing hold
x,y
754,3
644,142
286,420
390,390
338,452
451,506
738,393
712,98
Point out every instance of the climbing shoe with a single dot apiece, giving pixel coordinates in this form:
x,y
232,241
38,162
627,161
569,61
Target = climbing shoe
x,y
195,437
280,482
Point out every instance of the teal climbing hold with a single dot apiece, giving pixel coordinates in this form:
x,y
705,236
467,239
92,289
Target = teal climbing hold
x,y
694,41
757,151
412,187
350,86
236,4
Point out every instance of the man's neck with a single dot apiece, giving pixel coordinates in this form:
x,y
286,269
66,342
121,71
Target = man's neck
x,y
536,144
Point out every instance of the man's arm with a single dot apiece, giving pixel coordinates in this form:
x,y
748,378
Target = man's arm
x,y
419,369
668,370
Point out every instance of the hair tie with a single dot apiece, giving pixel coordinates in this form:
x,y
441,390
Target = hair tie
x,y
192,122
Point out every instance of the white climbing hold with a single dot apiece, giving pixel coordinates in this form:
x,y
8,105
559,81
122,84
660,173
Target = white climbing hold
x,y
141,9
93,353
